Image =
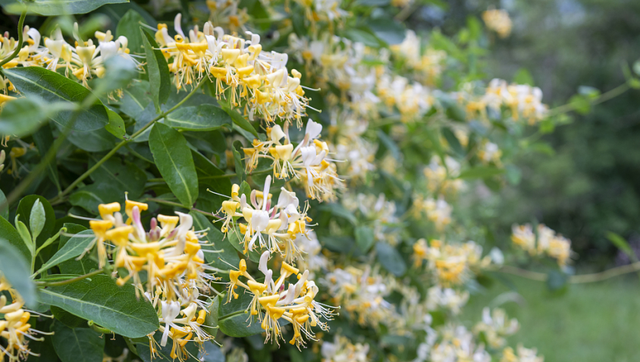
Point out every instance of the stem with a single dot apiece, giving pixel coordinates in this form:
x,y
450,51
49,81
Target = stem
x,y
72,280
20,39
123,143
602,98
574,279
171,203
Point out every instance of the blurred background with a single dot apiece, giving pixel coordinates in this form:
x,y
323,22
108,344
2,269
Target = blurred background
x,y
584,186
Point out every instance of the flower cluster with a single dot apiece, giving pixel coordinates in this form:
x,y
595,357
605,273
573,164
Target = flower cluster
x,y
495,326
342,349
547,242
360,291
171,257
442,178
452,264
83,60
437,211
499,21
428,64
253,80
350,146
307,163
278,299
15,329
522,355
452,343
274,227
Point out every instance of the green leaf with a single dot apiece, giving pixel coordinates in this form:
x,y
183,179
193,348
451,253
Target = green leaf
x,y
159,81
67,318
129,26
10,234
77,344
234,238
175,163
523,76
44,140
15,269
37,219
100,300
364,238
122,176
116,124
390,259
56,7
388,30
93,141
25,208
339,211
23,116
136,99
481,172
233,319
452,140
239,120
89,197
361,36
205,117
73,248
4,210
55,88
79,267
621,244
580,103
212,353
216,241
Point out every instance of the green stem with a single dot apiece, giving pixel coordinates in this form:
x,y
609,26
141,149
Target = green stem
x,y
574,279
123,143
72,280
602,98
20,39
171,203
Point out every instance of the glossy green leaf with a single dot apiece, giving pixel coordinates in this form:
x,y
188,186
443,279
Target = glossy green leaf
x,y
37,218
55,88
122,176
390,259
23,116
136,98
233,318
364,238
83,266
116,125
25,208
4,209
15,269
239,120
175,163
205,117
159,82
89,197
93,141
388,30
129,26
11,235
73,248
77,344
56,7
362,36
100,300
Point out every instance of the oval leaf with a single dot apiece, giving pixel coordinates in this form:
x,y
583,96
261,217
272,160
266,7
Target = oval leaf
x,y
99,299
77,344
57,7
74,247
175,163
54,87
390,259
205,117
157,69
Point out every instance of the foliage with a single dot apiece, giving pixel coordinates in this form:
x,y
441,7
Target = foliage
x,y
287,172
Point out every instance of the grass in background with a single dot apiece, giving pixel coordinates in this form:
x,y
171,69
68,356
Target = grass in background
x,y
595,322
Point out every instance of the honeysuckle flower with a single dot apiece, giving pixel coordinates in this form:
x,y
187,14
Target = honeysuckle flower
x,y
342,349
361,292
443,179
437,211
15,329
489,152
275,299
307,163
547,242
453,343
450,299
270,226
495,326
451,263
523,355
498,20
